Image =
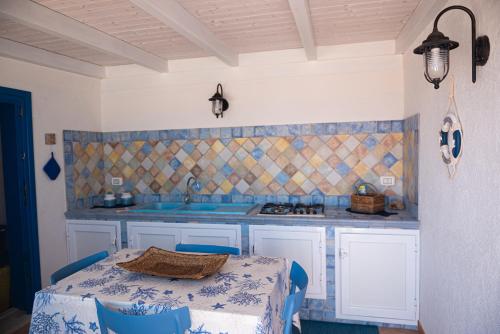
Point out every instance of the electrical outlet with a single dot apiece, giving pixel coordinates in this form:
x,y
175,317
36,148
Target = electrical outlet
x,y
116,181
387,181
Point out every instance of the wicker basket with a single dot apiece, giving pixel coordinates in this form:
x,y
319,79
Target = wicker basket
x,y
371,203
158,262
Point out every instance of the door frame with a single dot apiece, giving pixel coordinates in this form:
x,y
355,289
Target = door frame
x,y
28,215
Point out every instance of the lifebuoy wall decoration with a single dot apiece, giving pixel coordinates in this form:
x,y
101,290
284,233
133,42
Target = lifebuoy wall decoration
x,y
451,135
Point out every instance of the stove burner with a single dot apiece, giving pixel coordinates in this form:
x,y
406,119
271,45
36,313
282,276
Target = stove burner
x,y
288,209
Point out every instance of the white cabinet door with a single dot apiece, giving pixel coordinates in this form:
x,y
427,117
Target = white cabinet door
x,y
305,245
376,274
212,234
166,235
86,237
142,235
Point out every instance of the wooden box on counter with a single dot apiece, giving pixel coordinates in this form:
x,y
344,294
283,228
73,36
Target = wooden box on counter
x,y
371,203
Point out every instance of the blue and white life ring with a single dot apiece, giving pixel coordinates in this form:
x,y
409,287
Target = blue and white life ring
x,y
451,136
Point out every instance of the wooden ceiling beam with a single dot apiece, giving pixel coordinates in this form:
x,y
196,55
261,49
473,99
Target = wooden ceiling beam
x,y
179,19
30,54
41,18
421,17
302,15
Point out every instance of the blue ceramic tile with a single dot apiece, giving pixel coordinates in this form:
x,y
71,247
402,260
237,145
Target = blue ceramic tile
x,y
204,133
67,135
384,126
389,160
147,148
226,132
294,129
257,153
356,127
344,128
306,129
194,133
237,132
318,199
225,141
282,178
332,201
188,147
397,126
174,163
214,132
282,131
369,127
298,144
68,158
154,135
271,131
344,201
227,170
178,134
260,131
226,198
68,147
248,131
331,128
124,136
342,168
319,129
76,135
370,142
92,137
282,198
294,199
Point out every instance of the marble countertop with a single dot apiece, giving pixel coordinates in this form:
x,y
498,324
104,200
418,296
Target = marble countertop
x,y
333,216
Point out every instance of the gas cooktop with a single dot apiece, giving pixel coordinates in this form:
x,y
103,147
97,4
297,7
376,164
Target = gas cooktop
x,y
298,210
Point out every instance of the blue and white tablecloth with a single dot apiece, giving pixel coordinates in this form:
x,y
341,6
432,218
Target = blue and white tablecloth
x,y
246,296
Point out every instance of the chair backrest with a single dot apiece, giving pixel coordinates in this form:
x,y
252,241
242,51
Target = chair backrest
x,y
298,279
169,322
77,266
207,249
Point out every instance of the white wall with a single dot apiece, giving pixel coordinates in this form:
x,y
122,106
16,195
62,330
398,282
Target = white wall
x,y
357,82
60,101
460,230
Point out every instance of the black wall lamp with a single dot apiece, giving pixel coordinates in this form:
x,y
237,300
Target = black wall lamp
x,y
436,50
219,103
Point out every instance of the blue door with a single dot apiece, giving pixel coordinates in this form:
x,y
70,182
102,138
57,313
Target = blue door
x,y
19,200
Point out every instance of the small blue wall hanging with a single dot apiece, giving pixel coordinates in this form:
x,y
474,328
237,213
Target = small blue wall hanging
x,y
451,135
51,168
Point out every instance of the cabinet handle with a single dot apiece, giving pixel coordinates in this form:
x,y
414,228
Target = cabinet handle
x,y
114,244
343,253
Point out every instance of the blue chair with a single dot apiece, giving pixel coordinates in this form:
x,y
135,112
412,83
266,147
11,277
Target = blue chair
x,y
207,249
298,279
77,266
168,322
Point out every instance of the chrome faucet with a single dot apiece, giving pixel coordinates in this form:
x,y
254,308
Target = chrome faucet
x,y
196,185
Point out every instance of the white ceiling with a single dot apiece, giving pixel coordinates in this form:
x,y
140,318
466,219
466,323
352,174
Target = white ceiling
x,y
232,26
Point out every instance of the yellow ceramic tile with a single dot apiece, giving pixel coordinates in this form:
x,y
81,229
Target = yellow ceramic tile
x,y
299,178
398,136
226,186
127,172
282,144
352,160
114,157
397,169
189,163
241,141
217,146
266,178
249,162
316,161
90,150
161,178
342,138
360,169
138,144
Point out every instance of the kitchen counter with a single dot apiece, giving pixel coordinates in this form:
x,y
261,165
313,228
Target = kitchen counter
x,y
333,217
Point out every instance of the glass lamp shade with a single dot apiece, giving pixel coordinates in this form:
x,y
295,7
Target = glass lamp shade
x,y
437,65
217,108
436,52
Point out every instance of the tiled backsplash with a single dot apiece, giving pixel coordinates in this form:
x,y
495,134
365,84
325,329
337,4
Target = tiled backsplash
x,y
310,162
410,163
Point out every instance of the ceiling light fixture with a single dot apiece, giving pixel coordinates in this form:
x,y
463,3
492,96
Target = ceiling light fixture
x,y
436,50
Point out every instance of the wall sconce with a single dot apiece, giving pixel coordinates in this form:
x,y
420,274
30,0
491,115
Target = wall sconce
x,y
436,50
219,103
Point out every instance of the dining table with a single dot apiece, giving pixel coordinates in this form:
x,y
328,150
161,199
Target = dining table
x,y
246,295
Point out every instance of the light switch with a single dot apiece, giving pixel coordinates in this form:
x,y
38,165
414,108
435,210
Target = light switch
x,y
116,181
387,181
